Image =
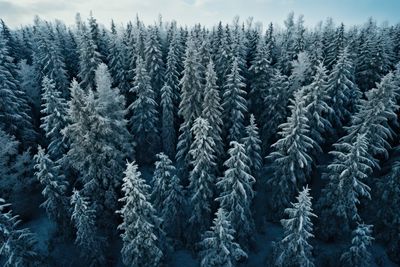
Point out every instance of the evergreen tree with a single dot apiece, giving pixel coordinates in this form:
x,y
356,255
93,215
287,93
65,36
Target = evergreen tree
x,y
140,224
54,111
351,165
374,115
277,101
315,99
17,246
234,104
144,120
14,110
55,187
168,134
291,161
218,245
91,245
212,109
358,254
201,177
342,90
294,249
252,145
190,106
237,192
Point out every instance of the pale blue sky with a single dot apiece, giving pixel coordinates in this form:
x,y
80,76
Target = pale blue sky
x,y
207,12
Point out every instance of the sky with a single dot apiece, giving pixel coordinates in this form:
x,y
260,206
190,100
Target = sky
x,y
206,12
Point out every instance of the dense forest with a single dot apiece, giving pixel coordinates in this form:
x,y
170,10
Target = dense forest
x,y
168,145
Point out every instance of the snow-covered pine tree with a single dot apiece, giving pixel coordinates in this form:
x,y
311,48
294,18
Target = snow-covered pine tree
x,y
342,90
154,59
290,159
9,150
315,100
237,192
17,246
252,145
90,243
212,109
14,110
201,177
140,224
358,254
89,58
54,112
55,187
374,116
301,72
168,133
144,119
234,104
294,249
277,101
218,245
190,106
351,165
260,73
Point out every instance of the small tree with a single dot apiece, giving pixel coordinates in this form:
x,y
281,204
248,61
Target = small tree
x,y
218,246
358,254
252,145
294,249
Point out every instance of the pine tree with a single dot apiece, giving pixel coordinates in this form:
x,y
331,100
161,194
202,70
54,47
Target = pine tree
x,y
201,177
374,115
55,187
89,59
342,90
277,101
168,134
294,249
140,224
290,159
218,245
190,106
234,104
315,99
90,243
14,109
18,246
351,165
358,254
212,109
54,111
261,73
237,192
144,120
252,145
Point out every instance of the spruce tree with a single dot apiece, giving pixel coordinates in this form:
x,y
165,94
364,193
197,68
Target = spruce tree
x,y
358,254
90,243
140,224
252,145
351,165
237,192
234,104
342,91
218,244
54,111
201,177
212,109
168,133
55,187
294,249
144,120
290,159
